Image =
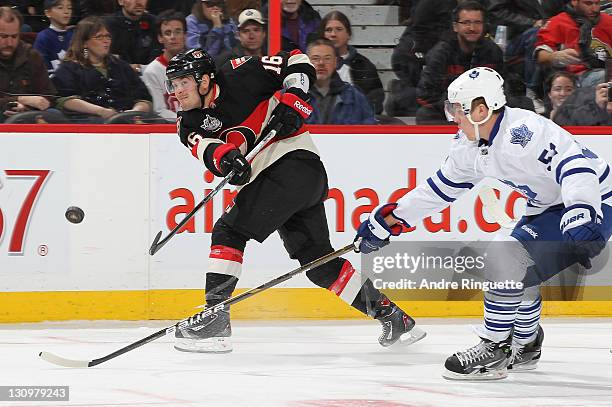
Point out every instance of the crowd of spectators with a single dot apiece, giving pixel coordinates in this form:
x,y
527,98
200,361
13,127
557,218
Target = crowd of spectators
x,y
103,61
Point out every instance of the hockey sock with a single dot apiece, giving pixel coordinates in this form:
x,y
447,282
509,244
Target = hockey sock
x,y
500,308
224,269
527,321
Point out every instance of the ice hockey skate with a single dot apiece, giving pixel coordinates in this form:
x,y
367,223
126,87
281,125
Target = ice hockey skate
x,y
398,327
212,334
526,357
486,361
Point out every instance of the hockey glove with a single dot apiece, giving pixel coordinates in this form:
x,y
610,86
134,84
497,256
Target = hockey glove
x,y
581,228
229,158
289,115
374,232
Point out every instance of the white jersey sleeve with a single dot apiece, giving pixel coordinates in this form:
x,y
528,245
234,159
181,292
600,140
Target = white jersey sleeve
x,y
456,176
573,167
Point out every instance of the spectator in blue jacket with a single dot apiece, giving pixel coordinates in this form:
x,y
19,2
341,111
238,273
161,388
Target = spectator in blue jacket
x,y
334,101
209,28
53,42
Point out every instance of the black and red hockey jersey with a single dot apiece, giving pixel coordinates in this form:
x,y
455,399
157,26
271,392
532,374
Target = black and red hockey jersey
x,y
246,92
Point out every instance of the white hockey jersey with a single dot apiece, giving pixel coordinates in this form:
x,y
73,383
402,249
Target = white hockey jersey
x,y
527,152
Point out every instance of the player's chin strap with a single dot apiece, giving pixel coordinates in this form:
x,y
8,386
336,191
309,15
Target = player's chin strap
x,y
476,124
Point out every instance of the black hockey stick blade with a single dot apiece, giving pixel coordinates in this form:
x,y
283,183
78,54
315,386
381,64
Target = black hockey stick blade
x,y
155,245
60,361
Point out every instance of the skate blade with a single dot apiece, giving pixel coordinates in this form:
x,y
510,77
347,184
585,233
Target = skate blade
x,y
490,375
408,338
523,367
210,345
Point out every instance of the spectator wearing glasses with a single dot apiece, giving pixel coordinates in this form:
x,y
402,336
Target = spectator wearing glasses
x,y
95,85
467,48
333,100
251,37
209,28
133,31
171,28
22,70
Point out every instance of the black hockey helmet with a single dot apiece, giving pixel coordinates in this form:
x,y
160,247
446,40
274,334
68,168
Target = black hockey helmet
x,y
195,62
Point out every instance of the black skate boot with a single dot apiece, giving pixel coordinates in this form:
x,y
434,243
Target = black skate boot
x,y
526,357
398,327
211,334
486,361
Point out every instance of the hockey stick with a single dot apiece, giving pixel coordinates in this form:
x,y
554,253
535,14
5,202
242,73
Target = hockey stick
x,y
158,242
491,204
58,360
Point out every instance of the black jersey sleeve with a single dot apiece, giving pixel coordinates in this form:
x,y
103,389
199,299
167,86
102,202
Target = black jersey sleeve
x,y
266,75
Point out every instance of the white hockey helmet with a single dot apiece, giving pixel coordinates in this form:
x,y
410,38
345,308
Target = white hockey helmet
x,y
477,82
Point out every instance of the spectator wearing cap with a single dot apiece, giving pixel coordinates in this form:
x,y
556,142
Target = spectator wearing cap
x,y
22,70
52,42
209,28
133,31
171,28
251,37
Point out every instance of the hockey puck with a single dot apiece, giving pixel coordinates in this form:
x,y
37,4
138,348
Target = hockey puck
x,y
74,214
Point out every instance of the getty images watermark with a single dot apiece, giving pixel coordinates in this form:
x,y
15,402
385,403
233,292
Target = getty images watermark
x,y
431,270
432,265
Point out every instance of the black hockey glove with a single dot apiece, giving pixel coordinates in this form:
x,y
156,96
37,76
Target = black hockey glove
x,y
288,117
231,159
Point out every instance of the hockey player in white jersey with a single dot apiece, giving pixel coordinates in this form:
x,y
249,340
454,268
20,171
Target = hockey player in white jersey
x,y
568,190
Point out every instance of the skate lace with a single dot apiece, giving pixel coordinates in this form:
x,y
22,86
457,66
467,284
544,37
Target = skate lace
x,y
475,353
517,353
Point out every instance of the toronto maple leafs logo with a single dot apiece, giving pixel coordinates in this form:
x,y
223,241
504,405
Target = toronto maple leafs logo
x,y
211,123
521,135
474,74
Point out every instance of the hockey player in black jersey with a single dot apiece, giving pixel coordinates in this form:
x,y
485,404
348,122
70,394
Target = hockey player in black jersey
x,y
282,189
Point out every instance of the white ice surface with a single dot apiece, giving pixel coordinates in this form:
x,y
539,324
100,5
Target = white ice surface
x,y
303,364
